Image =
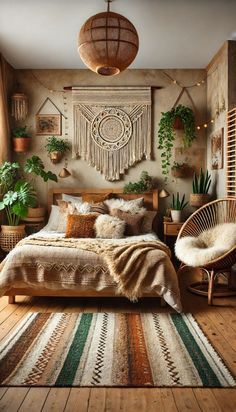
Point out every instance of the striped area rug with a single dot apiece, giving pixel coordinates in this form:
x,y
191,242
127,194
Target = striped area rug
x,y
110,349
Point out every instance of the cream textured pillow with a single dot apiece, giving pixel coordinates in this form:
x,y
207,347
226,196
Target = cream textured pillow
x,y
53,219
131,206
109,227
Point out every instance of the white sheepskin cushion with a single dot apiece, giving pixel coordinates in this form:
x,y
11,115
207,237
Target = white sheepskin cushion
x,y
131,206
209,245
109,227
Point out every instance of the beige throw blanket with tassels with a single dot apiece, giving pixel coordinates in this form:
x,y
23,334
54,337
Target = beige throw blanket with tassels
x,y
134,266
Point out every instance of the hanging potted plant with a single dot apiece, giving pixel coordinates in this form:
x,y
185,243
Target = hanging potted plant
x,y
166,135
201,185
56,148
177,206
21,139
181,170
34,165
15,202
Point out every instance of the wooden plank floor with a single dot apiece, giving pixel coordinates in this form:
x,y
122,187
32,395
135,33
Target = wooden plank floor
x,y
218,322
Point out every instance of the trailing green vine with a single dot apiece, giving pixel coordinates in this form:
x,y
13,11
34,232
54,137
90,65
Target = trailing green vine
x,y
166,135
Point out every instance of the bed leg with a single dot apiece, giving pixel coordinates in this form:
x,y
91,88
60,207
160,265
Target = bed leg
x,y
163,302
11,299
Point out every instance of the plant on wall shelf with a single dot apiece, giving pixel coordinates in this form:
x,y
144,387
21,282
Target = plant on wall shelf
x,y
143,185
166,135
21,139
56,148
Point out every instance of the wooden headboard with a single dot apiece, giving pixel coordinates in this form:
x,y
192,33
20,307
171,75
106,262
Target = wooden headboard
x,y
150,198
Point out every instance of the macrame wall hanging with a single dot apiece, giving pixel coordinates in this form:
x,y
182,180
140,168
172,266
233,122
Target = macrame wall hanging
x,y
112,127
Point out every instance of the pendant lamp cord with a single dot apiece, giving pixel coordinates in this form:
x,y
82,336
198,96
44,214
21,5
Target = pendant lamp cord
x,y
108,4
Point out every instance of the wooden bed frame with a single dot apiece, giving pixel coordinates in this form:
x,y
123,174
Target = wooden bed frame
x,y
150,202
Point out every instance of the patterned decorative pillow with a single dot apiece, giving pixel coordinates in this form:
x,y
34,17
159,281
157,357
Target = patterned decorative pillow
x,y
133,222
109,227
100,208
81,225
133,206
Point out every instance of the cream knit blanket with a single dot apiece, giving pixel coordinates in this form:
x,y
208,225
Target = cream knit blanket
x,y
133,265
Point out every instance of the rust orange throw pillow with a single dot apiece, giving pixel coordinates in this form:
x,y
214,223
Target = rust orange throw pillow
x,y
81,225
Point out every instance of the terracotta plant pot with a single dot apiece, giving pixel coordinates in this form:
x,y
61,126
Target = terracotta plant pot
x,y
176,215
56,157
10,236
36,212
21,144
182,171
178,124
198,200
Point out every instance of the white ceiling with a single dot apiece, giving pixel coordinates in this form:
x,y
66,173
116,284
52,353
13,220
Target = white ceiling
x,y
173,33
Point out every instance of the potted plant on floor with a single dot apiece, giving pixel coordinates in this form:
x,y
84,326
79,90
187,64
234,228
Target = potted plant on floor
x,y
15,202
21,139
166,135
177,206
34,165
56,148
201,185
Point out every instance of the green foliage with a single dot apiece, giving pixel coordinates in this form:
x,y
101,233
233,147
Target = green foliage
x,y
143,185
19,194
9,172
201,183
166,135
20,132
16,202
177,203
177,165
57,145
35,165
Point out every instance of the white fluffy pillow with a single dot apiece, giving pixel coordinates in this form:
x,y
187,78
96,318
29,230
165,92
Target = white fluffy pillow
x,y
131,206
209,245
109,227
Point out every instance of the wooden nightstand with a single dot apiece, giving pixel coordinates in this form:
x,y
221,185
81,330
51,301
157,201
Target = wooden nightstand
x,y
171,229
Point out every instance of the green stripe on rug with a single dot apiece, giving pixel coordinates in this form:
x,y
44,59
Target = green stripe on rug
x,y
205,372
68,371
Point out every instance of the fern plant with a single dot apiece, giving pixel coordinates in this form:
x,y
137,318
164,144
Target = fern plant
x,y
201,183
177,202
57,145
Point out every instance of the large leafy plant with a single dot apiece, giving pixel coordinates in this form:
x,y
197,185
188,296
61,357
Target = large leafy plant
x,y
57,145
16,202
166,135
35,165
17,193
201,183
177,202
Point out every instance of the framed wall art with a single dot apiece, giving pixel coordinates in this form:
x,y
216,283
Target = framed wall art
x,y
217,149
47,124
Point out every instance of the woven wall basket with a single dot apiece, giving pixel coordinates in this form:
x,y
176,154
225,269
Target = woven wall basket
x,y
10,236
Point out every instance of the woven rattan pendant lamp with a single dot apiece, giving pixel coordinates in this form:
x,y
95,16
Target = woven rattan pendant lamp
x,y
108,42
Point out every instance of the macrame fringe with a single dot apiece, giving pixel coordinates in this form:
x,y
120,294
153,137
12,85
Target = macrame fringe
x,y
112,163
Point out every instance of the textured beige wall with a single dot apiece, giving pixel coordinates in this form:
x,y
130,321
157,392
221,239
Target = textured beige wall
x,y
221,96
83,175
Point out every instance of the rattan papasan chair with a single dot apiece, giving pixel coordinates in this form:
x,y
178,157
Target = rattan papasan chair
x,y
218,215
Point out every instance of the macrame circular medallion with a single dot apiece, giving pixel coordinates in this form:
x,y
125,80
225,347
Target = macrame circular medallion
x,y
111,129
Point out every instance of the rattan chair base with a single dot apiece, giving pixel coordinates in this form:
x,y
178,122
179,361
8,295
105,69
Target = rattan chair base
x,y
220,290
